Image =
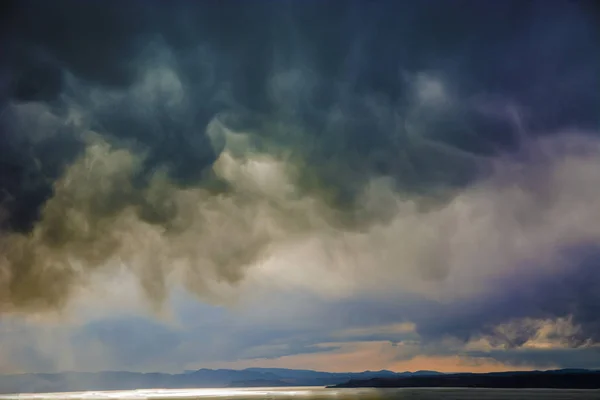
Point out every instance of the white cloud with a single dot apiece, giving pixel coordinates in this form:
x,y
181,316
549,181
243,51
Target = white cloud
x,y
518,222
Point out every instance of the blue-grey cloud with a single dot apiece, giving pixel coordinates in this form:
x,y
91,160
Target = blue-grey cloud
x,y
128,342
546,358
218,337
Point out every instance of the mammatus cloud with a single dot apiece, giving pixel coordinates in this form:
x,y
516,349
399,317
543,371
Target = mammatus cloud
x,y
121,200
192,157
97,218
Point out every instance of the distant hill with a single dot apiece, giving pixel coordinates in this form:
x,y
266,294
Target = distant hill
x,y
556,379
251,377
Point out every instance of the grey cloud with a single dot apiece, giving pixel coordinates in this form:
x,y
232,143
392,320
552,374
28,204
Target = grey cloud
x,y
189,149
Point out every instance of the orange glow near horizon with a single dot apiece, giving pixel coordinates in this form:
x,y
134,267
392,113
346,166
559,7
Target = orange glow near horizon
x,y
374,356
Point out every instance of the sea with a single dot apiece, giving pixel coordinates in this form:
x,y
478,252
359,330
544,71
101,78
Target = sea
x,y
320,393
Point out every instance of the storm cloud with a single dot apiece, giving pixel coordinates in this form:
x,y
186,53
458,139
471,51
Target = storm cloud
x,y
446,151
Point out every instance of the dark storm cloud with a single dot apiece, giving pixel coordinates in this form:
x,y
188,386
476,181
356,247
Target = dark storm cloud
x,y
425,93
349,53
570,293
549,358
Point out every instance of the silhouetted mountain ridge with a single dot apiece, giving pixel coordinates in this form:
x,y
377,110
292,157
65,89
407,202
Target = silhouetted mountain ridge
x,y
553,379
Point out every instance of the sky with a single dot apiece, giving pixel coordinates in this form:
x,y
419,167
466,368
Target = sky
x,y
335,185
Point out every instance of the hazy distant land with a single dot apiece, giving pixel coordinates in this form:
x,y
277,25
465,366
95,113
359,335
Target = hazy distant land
x,y
202,378
279,377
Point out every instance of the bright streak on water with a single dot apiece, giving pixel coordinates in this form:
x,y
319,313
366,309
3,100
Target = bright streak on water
x,y
317,393
164,394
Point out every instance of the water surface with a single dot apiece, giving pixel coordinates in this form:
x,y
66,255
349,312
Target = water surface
x,y
320,393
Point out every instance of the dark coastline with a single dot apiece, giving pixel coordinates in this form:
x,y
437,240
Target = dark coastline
x,y
508,380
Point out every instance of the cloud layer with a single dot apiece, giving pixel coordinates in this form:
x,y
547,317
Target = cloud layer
x,y
349,153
